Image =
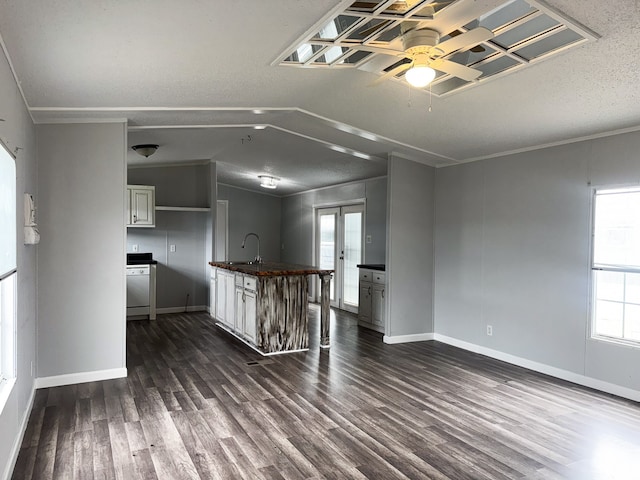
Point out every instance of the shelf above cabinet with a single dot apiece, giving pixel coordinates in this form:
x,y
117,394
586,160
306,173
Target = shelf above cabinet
x,y
182,209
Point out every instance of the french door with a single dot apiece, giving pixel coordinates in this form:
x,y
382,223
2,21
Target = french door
x,y
339,247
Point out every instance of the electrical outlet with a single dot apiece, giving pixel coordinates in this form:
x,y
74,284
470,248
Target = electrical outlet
x,y
134,247
172,248
368,238
489,330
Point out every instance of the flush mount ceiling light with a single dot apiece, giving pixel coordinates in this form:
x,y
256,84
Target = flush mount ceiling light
x,y
145,150
267,181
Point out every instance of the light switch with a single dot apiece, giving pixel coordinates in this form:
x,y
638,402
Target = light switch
x,y
172,248
368,238
134,247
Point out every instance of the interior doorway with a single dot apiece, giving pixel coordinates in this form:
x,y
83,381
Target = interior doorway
x,y
339,246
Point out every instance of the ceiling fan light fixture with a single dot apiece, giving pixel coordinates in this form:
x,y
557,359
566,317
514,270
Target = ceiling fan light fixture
x,y
267,181
420,75
146,150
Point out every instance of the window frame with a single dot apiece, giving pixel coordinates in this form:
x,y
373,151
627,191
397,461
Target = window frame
x,y
8,331
594,268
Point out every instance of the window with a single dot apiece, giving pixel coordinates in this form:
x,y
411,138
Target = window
x,y
616,265
7,274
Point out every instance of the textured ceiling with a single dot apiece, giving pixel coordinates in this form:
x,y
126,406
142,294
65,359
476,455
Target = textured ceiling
x,y
190,63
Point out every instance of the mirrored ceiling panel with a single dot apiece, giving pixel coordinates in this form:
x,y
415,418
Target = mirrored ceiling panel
x,y
366,33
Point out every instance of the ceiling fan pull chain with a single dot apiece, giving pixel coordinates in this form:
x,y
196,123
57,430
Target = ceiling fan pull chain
x,y
429,97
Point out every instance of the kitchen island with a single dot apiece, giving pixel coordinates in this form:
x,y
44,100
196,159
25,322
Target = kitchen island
x,y
266,304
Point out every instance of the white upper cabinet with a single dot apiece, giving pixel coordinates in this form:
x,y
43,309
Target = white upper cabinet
x,y
141,206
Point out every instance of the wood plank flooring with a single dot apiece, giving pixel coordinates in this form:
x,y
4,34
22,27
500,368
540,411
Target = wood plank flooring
x,y
199,404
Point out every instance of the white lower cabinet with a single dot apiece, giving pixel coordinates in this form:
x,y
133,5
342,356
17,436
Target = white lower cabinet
x,y
212,292
236,302
225,297
250,315
371,299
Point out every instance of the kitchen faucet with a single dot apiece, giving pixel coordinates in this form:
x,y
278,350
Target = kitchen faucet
x,y
258,258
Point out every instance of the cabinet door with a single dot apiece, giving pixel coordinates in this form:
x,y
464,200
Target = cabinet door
x,y
141,206
221,297
364,301
230,302
378,305
239,316
250,315
212,296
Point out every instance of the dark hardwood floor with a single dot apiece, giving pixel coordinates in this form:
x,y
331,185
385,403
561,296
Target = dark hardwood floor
x,y
199,404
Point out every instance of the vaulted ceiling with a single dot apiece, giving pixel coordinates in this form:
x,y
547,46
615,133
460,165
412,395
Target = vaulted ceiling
x,y
198,77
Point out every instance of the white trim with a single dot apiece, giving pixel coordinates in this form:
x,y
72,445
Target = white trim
x,y
62,121
415,337
15,77
559,143
543,368
191,308
353,182
193,163
80,377
160,208
15,450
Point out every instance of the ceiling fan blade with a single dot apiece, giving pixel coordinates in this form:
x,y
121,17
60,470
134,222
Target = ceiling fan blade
x,y
391,73
467,39
460,13
375,28
452,68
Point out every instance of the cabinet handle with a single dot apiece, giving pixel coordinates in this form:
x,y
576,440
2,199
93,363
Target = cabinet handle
x,y
382,293
369,290
135,218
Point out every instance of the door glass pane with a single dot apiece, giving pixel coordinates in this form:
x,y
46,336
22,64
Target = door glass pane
x,y
352,256
328,246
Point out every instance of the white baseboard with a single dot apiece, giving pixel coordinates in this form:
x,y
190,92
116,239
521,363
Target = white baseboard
x,y
193,308
416,337
80,377
543,368
15,450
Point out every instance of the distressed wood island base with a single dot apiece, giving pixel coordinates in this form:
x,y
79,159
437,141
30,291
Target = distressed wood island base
x,y
266,305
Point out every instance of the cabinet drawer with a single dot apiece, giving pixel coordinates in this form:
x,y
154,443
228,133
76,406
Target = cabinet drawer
x,y
378,277
250,283
239,280
365,275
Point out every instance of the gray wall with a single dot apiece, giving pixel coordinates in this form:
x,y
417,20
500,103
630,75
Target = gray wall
x,y
252,212
17,130
81,256
183,272
297,218
410,249
512,250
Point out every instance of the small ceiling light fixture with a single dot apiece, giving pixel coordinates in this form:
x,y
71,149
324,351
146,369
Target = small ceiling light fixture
x,y
420,74
267,181
146,150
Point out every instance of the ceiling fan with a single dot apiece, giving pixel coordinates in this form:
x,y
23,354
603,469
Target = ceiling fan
x,y
422,51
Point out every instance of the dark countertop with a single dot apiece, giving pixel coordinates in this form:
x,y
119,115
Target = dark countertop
x,y
270,269
373,266
140,259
